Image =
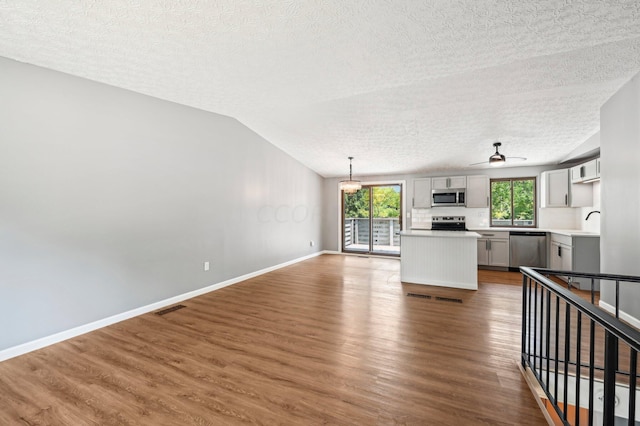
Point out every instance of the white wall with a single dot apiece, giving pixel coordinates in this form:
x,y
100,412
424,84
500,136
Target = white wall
x,y
593,224
620,192
111,200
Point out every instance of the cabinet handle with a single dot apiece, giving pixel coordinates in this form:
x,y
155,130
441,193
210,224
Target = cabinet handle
x,y
489,241
488,235
566,199
582,171
413,202
559,251
486,244
487,201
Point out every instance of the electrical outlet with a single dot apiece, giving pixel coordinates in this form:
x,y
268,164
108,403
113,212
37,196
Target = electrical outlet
x,y
312,243
206,266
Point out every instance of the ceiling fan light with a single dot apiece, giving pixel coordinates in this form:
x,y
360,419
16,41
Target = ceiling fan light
x,y
496,160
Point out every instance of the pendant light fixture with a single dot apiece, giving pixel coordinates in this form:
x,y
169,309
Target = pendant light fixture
x,y
350,186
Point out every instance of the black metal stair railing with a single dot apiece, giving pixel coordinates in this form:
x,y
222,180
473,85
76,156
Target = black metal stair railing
x,y
580,354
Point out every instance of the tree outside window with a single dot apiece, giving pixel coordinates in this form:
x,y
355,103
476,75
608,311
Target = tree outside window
x,y
513,202
386,202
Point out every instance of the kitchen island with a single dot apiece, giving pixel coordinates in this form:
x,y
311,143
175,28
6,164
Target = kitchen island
x,y
440,258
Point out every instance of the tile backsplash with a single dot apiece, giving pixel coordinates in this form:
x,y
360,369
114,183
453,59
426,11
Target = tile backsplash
x,y
548,218
476,218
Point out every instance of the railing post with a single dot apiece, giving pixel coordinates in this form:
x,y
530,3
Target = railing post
x,y
356,240
610,368
524,321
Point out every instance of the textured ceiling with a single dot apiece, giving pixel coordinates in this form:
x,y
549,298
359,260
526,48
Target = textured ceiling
x,y
403,86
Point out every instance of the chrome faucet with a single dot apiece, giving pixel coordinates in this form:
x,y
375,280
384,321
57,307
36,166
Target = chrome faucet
x,y
590,213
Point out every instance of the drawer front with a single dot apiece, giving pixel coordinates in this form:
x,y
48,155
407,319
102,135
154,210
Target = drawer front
x,y
562,239
499,235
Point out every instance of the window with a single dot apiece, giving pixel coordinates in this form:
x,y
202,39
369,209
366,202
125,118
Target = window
x,y
513,202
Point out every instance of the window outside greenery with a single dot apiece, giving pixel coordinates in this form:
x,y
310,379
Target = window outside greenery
x,y
386,202
513,202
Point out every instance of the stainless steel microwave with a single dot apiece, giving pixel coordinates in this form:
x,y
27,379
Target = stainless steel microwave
x,y
448,197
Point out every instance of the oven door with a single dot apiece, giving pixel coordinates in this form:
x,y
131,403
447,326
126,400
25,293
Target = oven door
x,y
444,198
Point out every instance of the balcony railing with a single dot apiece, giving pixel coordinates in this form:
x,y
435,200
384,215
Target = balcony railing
x,y
584,358
386,232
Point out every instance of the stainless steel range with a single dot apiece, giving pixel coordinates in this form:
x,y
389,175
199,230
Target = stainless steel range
x,y
448,223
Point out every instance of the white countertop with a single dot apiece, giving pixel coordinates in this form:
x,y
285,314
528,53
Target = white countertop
x,y
567,232
439,234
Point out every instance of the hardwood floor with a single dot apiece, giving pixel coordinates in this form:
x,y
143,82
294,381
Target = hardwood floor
x,y
332,340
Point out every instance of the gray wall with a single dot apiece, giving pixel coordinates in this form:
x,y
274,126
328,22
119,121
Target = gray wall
x,y
620,193
112,200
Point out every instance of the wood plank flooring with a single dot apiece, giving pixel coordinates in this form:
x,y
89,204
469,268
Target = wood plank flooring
x,y
332,340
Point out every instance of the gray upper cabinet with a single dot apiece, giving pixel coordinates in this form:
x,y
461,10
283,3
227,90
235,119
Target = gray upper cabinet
x,y
586,172
456,182
557,191
554,188
421,193
477,191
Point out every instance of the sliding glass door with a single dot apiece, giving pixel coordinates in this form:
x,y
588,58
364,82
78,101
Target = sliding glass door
x,y
372,219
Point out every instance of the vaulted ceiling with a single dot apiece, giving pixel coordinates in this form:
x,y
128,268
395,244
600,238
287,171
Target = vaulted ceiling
x,y
402,85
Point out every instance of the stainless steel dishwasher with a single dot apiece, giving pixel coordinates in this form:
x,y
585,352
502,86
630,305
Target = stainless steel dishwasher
x,y
527,248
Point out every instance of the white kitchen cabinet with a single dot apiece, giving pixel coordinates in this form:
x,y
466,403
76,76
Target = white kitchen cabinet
x,y
554,188
586,172
477,191
439,183
577,253
493,249
483,252
456,182
422,193
561,256
557,191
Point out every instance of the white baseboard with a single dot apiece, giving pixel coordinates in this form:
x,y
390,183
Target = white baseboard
x,y
77,331
331,252
342,253
623,315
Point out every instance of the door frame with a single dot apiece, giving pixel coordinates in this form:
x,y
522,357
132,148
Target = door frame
x,y
403,208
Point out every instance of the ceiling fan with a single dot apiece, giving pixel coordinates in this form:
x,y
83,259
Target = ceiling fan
x,y
497,159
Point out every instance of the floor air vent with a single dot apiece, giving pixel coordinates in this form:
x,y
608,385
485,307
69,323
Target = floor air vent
x,y
449,299
438,298
421,296
171,309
